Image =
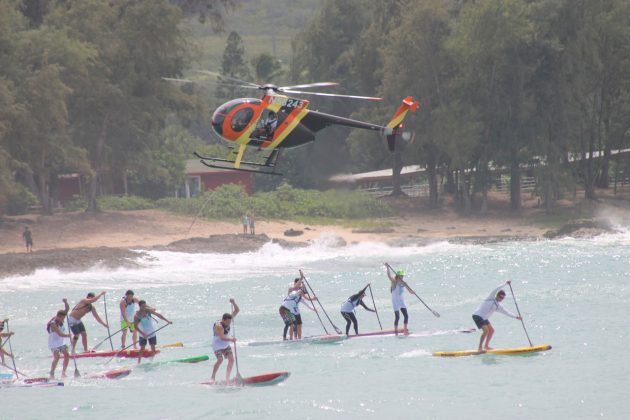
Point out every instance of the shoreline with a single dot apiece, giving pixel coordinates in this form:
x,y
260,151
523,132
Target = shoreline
x,y
77,259
79,241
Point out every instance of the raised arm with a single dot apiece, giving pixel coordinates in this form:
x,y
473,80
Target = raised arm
x,y
66,305
94,299
390,270
235,308
493,294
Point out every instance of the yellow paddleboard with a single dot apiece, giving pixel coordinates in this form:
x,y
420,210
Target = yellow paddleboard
x,y
517,350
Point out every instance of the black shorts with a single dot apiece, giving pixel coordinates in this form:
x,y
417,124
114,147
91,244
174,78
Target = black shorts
x,y
77,328
479,321
298,319
152,341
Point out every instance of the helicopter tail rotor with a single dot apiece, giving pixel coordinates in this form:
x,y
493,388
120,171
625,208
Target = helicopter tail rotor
x,y
394,128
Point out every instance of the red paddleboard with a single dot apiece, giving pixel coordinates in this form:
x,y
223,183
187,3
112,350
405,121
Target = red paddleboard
x,y
109,374
119,353
259,380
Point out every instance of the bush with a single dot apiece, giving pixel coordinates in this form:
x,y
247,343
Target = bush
x,y
130,202
231,201
19,200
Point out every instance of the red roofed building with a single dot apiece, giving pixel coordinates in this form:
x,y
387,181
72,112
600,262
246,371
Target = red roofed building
x,y
200,177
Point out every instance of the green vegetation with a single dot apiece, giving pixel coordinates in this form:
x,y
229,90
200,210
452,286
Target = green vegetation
x,y
230,201
502,84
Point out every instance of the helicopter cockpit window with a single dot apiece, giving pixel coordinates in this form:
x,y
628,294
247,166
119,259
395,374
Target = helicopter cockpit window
x,y
241,118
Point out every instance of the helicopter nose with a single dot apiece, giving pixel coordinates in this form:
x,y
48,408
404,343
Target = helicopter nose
x,y
217,122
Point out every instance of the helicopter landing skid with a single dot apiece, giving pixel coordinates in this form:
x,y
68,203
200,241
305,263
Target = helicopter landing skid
x,y
267,168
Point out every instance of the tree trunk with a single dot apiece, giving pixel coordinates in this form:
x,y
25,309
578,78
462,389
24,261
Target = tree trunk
x,y
93,185
433,186
515,187
396,170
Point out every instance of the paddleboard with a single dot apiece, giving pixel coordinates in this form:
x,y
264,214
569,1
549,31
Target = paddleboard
x,y
315,339
259,380
109,374
509,351
25,384
416,334
119,353
193,359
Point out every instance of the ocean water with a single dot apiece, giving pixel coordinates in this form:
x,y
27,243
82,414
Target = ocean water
x,y
573,294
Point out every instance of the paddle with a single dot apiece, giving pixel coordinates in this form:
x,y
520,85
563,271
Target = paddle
x,y
375,310
9,367
414,293
106,338
11,350
118,352
107,322
239,378
315,308
74,340
519,314
320,303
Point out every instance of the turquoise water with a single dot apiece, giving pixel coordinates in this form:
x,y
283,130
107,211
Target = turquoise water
x,y
573,294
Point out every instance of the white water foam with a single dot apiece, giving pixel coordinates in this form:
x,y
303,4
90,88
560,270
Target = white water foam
x,y
162,268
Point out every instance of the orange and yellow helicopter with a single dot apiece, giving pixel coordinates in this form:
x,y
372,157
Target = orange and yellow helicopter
x,y
276,122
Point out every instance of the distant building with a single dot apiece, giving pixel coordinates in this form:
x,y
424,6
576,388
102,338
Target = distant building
x,y
412,179
69,186
200,177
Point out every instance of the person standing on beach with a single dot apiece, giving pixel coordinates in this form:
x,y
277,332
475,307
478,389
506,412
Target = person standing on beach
x,y
347,310
127,313
145,325
4,334
28,239
252,224
56,334
221,342
245,223
482,315
397,289
74,319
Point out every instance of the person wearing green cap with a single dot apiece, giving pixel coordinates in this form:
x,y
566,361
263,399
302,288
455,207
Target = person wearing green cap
x,y
397,288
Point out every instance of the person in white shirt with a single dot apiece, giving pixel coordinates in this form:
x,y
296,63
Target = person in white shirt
x,y
482,315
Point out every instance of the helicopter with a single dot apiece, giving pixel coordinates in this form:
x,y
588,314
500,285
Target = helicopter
x,y
277,121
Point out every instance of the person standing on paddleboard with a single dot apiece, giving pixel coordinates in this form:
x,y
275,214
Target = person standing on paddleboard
x,y
127,313
290,314
347,310
145,325
483,313
56,334
397,289
221,343
298,284
4,334
74,319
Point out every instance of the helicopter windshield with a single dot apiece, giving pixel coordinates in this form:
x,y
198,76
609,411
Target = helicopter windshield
x,y
239,120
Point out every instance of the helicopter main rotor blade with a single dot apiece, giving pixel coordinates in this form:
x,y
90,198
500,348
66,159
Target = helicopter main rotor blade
x,y
233,79
308,85
335,95
170,79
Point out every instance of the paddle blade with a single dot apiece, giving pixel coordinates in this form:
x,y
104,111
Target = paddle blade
x,y
168,346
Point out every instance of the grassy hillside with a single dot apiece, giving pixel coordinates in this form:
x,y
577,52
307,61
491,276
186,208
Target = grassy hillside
x,y
263,25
